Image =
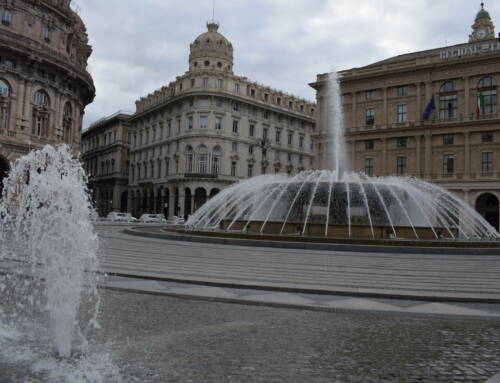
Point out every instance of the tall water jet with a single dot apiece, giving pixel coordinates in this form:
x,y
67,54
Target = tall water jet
x,y
45,230
335,156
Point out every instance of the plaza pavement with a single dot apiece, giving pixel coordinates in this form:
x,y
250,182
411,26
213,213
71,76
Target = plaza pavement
x,y
425,284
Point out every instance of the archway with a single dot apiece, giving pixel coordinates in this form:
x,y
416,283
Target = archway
x,y
4,170
187,201
200,197
214,192
488,206
124,201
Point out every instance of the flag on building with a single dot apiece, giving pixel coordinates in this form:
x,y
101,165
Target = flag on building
x,y
480,105
428,110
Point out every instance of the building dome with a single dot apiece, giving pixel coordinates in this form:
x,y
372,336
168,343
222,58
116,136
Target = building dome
x,y
483,13
211,50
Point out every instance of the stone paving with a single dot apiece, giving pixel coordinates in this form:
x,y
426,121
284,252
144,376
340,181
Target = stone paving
x,y
413,276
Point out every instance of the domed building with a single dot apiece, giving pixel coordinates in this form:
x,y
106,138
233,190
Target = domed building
x,y
44,82
210,128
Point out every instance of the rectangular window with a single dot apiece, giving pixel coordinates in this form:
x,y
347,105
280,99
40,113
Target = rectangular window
x,y
218,123
236,88
448,106
236,106
252,92
402,91
218,102
401,166
301,159
205,83
192,83
169,128
190,122
203,122
250,170
370,116
369,166
266,97
180,87
402,113
215,165
402,142
233,169
251,130
370,94
266,115
278,100
301,142
487,163
290,138
6,17
178,125
369,144
219,83
448,167
46,33
264,133
250,149
167,167
289,157
235,126
189,162
234,147
448,139
290,105
487,137
278,136
202,163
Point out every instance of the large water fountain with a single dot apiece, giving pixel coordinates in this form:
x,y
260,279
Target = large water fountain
x,y
338,203
48,255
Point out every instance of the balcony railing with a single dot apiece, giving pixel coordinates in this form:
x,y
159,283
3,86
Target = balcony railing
x,y
201,175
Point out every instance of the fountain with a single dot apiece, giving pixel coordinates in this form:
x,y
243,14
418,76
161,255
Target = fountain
x,y
49,244
339,203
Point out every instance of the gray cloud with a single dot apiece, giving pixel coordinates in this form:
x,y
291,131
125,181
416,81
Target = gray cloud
x,y
140,46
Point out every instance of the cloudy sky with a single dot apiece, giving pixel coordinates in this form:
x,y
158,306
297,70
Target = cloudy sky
x,y
141,45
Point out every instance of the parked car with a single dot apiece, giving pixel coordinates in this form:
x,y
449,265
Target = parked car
x,y
152,218
116,216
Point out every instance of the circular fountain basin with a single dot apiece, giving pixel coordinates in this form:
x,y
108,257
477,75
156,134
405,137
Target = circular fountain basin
x,y
351,206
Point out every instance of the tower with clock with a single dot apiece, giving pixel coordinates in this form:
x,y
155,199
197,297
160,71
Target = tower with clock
x,y
483,28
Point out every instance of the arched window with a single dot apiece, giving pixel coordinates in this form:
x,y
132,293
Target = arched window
x,y
67,122
4,104
189,159
448,101
41,114
201,159
486,96
216,160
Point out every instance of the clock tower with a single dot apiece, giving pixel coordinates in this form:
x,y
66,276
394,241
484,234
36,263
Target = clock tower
x,y
483,28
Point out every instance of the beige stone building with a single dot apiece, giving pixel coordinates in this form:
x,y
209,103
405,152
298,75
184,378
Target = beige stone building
x,y
391,128
105,148
210,128
44,83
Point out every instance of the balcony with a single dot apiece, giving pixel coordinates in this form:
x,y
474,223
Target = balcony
x,y
201,175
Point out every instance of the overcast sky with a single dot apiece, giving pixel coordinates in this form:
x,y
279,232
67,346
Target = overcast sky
x,y
140,46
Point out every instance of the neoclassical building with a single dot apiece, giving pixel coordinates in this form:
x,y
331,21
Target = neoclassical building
x,y
430,114
105,150
210,128
44,82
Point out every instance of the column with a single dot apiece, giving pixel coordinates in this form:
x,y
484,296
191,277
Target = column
x,y
26,112
418,106
386,111
384,156
466,155
20,102
418,170
182,198
428,156
171,202
354,110
353,155
466,108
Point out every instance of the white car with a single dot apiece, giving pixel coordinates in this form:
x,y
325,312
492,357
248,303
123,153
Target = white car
x,y
152,218
116,216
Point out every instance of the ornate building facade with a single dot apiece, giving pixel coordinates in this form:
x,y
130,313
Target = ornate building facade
x,y
105,148
430,114
210,128
44,83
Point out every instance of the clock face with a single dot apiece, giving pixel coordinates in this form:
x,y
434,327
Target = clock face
x,y
482,33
